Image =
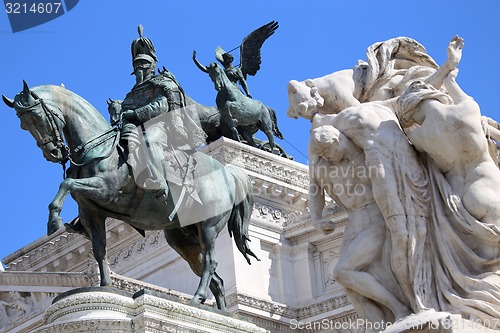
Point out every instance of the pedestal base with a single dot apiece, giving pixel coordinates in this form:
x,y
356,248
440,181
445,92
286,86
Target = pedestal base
x,y
99,309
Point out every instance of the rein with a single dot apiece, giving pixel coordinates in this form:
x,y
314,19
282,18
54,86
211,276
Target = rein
x,y
89,146
81,149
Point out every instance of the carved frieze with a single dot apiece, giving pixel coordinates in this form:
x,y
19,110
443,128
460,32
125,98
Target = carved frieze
x,y
268,215
329,259
152,241
16,306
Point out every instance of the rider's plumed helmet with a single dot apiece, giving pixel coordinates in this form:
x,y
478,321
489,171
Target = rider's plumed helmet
x,y
143,48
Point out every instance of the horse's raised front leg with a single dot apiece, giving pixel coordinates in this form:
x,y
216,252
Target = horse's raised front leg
x,y
55,207
92,187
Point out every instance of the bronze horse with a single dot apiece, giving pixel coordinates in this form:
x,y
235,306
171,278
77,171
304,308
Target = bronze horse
x,y
65,126
241,114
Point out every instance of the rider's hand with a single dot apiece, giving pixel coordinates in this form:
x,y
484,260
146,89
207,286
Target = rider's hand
x,y
130,116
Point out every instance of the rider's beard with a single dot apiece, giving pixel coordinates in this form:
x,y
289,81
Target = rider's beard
x,y
139,76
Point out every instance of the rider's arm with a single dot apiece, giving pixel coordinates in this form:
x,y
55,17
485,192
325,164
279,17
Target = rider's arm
x,y
152,109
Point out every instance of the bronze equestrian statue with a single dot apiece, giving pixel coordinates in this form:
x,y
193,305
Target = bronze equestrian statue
x,y
186,193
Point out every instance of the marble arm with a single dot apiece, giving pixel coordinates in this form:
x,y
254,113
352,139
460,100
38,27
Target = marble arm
x,y
454,51
492,127
454,90
316,195
316,203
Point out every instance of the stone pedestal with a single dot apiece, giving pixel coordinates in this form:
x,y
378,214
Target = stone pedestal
x,y
98,309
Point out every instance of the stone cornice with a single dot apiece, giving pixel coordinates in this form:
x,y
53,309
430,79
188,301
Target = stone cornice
x,y
260,162
301,226
35,253
39,279
132,285
63,250
275,308
287,198
37,243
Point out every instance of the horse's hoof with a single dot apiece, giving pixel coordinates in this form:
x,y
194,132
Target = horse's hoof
x,y
221,305
106,284
54,225
197,299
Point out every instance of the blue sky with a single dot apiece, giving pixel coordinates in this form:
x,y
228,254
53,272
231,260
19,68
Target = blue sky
x,y
88,49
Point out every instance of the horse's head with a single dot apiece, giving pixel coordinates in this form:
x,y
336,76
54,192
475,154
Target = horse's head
x,y
44,122
217,75
304,99
114,109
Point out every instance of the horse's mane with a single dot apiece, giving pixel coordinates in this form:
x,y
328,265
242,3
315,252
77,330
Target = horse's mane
x,y
55,95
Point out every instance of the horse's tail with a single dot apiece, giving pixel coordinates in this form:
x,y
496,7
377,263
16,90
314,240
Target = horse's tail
x,y
276,130
242,211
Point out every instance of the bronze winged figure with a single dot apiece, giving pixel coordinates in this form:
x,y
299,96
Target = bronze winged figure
x,y
250,56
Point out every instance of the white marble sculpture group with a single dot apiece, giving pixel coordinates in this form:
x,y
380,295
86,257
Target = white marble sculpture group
x,y
399,145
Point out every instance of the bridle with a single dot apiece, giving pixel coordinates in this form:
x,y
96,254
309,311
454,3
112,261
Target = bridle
x,y
54,127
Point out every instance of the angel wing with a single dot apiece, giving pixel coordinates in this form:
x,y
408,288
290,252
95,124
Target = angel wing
x,y
250,48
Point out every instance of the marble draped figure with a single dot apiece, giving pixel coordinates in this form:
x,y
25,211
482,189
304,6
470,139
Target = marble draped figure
x,y
399,145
